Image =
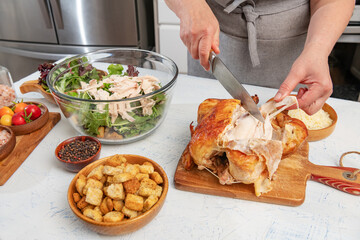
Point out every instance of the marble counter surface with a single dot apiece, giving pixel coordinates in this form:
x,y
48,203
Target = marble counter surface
x,y
33,202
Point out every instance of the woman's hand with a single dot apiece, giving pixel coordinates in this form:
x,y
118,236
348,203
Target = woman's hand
x,y
328,21
312,70
199,28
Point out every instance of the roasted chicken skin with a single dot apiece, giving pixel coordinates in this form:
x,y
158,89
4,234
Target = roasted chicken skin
x,y
224,142
214,116
294,132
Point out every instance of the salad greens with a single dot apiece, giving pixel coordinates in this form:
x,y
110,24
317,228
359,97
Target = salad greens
x,y
44,70
115,69
93,120
70,81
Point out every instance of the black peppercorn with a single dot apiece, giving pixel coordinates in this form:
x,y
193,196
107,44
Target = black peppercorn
x,y
78,150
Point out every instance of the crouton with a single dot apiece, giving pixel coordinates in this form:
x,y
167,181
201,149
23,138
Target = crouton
x,y
141,176
113,216
109,179
82,203
149,202
146,192
94,196
93,214
148,164
76,197
106,205
92,183
147,169
129,213
103,179
115,191
132,169
122,177
116,160
156,177
118,204
97,208
158,191
96,173
134,202
110,170
132,185
80,184
89,206
148,183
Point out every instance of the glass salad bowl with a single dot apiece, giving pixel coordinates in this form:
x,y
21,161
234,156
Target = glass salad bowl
x,y
118,95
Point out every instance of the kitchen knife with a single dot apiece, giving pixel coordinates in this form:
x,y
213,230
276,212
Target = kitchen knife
x,y
233,86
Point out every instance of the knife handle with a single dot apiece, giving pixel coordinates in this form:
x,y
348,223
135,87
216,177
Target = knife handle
x,y
212,56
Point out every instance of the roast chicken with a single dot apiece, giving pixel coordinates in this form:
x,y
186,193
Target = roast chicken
x,y
237,147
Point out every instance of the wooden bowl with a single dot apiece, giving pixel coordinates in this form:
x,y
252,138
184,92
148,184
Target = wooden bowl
x,y
316,135
34,86
78,165
34,125
7,148
126,226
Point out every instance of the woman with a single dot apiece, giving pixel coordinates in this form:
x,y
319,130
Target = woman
x,y
273,43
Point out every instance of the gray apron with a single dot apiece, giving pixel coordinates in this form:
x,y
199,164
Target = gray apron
x,y
259,40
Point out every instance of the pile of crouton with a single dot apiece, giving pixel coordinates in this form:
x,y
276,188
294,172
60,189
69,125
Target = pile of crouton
x,y
117,190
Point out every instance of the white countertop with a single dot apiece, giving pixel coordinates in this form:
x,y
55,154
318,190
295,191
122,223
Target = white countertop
x,y
33,202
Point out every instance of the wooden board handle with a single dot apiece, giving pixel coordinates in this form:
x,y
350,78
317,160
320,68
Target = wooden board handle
x,y
30,86
336,177
34,86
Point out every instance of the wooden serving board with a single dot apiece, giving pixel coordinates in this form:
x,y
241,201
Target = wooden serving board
x,y
288,185
25,144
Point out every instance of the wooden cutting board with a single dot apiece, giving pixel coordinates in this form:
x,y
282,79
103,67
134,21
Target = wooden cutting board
x,y
25,144
288,185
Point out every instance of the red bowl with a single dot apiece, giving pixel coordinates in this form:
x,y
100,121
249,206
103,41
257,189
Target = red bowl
x,y
77,165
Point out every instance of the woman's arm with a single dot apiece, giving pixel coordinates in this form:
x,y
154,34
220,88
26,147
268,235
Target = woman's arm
x,y
328,20
199,28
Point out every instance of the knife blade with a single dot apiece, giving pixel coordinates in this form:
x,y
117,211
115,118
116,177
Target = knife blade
x,y
233,86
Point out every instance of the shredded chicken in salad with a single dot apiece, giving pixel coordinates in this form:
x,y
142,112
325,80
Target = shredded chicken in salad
x,y
122,87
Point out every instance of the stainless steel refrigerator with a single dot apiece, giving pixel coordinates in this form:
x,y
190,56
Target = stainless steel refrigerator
x,y
37,31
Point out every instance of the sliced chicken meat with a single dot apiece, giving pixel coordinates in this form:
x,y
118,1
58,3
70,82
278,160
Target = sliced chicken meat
x,y
122,87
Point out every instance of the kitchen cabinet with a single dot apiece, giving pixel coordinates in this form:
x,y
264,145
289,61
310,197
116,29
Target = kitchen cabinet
x,y
167,35
36,31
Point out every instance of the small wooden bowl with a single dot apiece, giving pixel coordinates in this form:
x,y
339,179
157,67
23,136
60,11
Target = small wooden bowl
x,y
126,226
34,86
78,165
7,148
34,125
316,135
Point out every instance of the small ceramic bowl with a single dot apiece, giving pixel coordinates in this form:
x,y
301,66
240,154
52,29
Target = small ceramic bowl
x,y
316,135
76,166
7,148
34,125
125,226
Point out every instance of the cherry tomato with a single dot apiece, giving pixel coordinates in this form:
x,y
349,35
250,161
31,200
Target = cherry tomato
x,y
6,111
19,107
34,110
6,120
18,118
